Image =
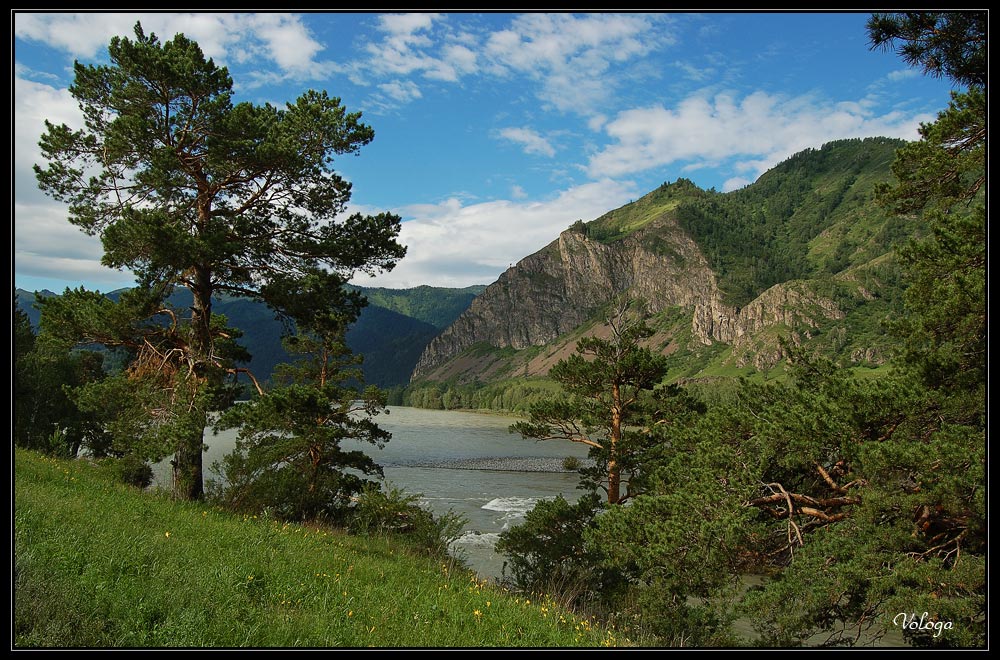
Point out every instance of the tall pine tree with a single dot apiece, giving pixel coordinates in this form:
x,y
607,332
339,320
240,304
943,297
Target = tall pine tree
x,y
187,188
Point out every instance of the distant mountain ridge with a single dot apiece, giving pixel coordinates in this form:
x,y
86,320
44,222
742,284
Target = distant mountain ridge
x,y
391,332
802,253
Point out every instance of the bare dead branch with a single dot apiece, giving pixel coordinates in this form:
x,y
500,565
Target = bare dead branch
x,y
253,379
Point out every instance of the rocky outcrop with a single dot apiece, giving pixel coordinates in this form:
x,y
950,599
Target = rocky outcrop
x,y
789,304
565,284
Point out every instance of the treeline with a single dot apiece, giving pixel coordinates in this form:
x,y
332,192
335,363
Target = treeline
x,y
514,396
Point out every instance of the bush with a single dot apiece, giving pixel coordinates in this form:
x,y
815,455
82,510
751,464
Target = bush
x,y
571,464
132,470
396,513
549,553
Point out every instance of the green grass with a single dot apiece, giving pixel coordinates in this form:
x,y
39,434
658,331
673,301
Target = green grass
x,y
621,222
98,564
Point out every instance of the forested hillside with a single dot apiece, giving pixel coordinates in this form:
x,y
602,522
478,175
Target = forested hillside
x,y
390,336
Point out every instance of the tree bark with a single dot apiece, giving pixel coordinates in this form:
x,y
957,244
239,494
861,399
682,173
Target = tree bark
x,y
187,464
614,470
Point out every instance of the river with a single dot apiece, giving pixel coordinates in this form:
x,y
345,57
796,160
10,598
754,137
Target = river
x,y
459,461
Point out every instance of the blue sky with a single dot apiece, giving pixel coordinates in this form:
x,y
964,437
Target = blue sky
x,y
493,131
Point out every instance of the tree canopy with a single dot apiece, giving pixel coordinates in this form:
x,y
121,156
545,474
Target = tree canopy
x,y
952,44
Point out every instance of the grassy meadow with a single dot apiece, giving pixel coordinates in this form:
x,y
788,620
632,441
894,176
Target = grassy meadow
x,y
99,564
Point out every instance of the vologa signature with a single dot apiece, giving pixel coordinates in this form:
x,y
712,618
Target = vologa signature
x,y
911,622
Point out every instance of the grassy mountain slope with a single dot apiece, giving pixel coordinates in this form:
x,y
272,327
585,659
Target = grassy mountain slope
x,y
433,305
810,216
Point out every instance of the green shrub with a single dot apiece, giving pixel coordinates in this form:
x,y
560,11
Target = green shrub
x,y
393,512
571,464
549,553
132,470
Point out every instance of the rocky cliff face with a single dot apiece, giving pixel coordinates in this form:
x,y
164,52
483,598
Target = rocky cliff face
x,y
565,284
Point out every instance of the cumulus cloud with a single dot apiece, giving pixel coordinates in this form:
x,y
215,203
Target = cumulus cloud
x,y
454,244
530,141
279,38
46,245
757,131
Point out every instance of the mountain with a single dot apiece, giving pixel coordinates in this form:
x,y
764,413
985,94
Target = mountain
x,y
802,253
435,306
391,332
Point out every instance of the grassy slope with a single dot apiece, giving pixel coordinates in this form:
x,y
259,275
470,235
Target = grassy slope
x,y
101,565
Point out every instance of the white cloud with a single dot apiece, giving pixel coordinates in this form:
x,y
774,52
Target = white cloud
x,y
692,72
405,25
573,61
288,41
407,48
530,140
903,74
597,122
82,35
517,192
757,131
226,37
400,91
735,183
34,103
453,244
570,56
46,245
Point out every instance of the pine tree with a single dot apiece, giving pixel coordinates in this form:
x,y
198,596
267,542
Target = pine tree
x,y
187,188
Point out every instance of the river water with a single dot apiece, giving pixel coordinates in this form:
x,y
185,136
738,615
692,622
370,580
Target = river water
x,y
457,461
470,464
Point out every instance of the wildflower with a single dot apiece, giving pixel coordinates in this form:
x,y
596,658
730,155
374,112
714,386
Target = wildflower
x,y
350,613
167,534
477,613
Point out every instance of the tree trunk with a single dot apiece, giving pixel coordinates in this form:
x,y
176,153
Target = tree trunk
x,y
188,471
187,463
614,470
